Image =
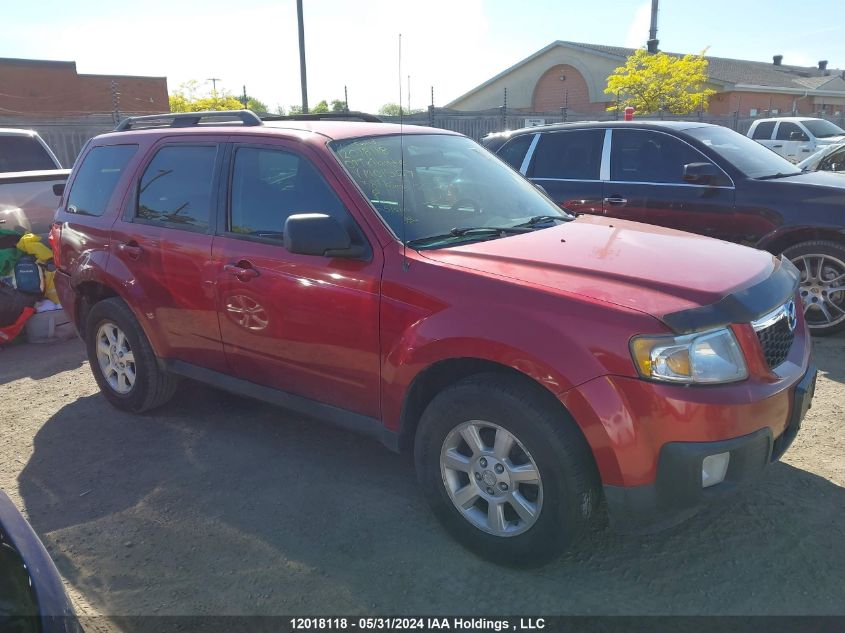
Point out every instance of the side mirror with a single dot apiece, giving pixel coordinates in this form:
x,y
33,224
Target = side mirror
x,y
59,189
318,234
700,173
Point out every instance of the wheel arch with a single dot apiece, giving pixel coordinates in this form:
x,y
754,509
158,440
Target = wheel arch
x,y
778,242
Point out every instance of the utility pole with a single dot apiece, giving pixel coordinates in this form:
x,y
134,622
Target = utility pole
x,y
345,99
652,32
302,76
115,102
245,99
214,81
409,94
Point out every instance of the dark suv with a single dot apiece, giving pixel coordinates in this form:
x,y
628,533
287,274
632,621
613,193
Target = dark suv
x,y
405,283
701,178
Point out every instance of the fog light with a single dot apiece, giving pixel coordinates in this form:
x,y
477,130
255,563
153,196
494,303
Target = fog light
x,y
713,469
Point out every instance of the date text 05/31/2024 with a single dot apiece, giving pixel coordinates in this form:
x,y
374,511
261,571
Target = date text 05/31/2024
x,y
417,624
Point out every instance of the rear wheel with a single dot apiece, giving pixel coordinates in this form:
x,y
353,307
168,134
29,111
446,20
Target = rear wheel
x,y
122,360
507,473
822,286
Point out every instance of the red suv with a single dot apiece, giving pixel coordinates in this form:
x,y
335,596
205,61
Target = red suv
x,y
410,285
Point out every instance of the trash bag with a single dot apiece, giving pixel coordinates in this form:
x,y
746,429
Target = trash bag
x,y
8,333
31,244
12,304
9,253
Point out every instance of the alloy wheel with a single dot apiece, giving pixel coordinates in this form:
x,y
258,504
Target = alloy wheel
x,y
116,359
491,478
822,289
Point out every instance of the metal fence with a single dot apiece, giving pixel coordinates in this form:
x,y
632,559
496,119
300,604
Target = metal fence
x,y
67,135
476,125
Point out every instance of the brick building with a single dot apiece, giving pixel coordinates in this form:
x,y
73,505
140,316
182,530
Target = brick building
x,y
48,88
574,76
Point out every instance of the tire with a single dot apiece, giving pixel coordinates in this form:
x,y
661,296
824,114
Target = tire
x,y
822,266
564,498
140,384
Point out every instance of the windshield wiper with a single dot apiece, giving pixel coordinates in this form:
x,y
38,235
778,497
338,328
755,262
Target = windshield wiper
x,y
780,174
543,219
470,231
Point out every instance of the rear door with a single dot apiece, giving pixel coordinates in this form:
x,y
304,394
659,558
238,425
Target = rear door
x,y
791,141
646,185
161,243
764,132
306,325
567,164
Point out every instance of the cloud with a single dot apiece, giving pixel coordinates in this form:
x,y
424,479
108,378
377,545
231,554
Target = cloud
x,y
638,31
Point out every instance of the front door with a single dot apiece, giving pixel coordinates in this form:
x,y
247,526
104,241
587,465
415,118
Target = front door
x,y
162,244
791,141
646,185
304,324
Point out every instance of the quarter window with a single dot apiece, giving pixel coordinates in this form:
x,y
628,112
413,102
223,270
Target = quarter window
x,y
642,156
574,155
513,153
269,185
763,131
97,177
175,189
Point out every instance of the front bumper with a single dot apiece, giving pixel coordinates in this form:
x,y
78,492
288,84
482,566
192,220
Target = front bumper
x,y
677,491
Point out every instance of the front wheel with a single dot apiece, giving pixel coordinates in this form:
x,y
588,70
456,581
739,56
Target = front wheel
x,y
822,285
506,472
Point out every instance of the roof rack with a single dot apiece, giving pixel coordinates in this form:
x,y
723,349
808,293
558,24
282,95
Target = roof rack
x,y
187,119
325,116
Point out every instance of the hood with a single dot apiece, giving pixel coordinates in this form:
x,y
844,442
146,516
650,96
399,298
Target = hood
x,y
830,140
638,266
832,182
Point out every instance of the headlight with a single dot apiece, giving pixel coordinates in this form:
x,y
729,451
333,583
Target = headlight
x,y
705,357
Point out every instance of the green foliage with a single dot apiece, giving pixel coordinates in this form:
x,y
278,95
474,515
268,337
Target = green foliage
x,y
651,82
295,109
189,97
393,109
338,105
320,108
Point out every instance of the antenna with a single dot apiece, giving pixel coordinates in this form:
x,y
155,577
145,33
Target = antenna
x,y
402,163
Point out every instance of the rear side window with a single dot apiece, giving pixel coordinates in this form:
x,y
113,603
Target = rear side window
x,y
97,177
788,131
514,150
763,131
23,153
175,189
835,161
574,155
270,185
643,156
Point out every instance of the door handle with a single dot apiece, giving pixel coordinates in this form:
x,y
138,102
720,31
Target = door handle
x,y
781,145
131,249
616,200
242,273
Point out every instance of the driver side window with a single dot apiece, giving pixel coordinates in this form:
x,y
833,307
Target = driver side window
x,y
270,185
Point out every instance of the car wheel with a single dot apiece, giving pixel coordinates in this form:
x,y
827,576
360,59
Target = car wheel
x,y
505,469
822,285
122,360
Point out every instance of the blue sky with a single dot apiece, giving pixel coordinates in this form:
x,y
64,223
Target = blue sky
x,y
452,45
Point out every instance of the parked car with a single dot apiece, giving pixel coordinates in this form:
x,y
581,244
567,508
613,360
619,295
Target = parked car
x,y
412,286
31,178
829,158
795,138
32,596
700,178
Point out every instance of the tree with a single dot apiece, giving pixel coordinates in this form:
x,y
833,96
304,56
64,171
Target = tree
x,y
338,105
188,97
254,104
651,82
389,109
294,110
320,108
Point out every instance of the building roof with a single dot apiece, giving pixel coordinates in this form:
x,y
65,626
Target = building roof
x,y
732,73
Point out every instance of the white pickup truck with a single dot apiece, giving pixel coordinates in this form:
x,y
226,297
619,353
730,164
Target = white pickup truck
x,y
795,138
31,182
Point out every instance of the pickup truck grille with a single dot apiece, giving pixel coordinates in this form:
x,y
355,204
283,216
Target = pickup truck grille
x,y
776,332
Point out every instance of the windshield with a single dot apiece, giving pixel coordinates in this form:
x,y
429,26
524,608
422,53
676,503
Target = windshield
x,y
822,129
751,158
450,183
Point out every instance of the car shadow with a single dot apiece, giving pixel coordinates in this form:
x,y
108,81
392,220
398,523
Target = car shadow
x,y
220,505
39,360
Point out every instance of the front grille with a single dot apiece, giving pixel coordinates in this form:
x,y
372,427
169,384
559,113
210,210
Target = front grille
x,y
776,339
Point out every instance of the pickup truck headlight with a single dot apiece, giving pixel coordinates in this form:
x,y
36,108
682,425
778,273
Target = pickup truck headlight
x,y
707,357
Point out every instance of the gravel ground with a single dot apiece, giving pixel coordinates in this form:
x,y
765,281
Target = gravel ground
x,y
217,504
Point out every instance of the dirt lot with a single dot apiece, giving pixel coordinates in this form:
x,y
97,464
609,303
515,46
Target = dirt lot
x,y
221,505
